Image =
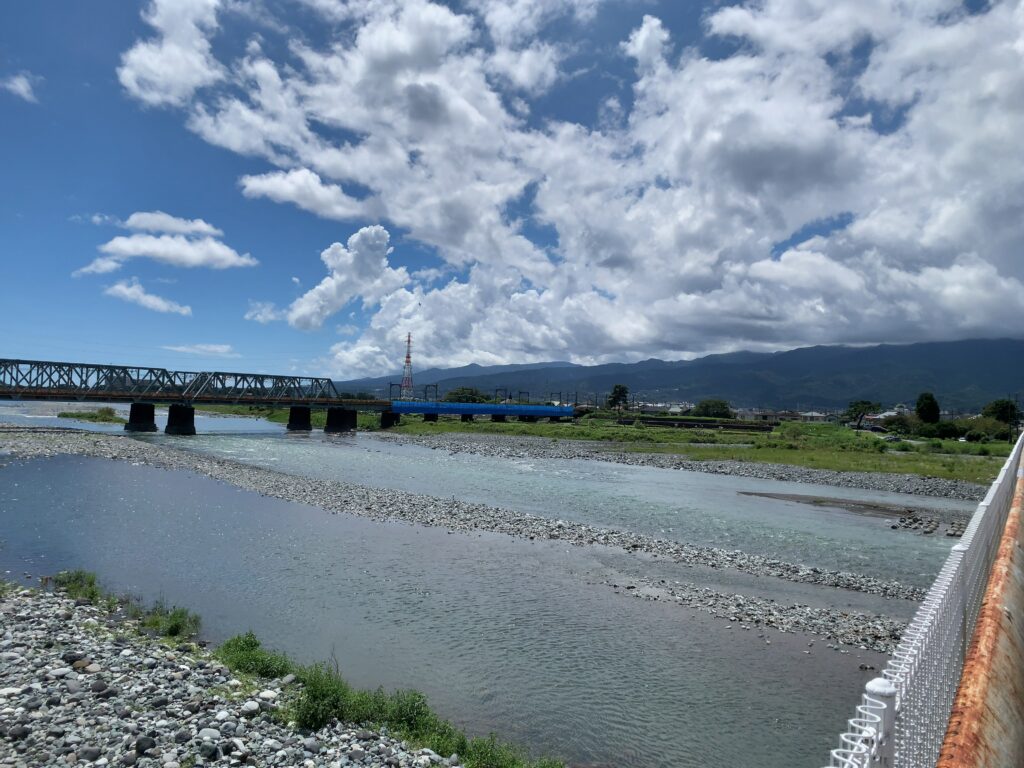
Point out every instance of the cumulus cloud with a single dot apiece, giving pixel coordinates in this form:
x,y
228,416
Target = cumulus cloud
x,y
169,68
305,189
131,290
204,350
876,139
358,269
182,243
158,221
263,312
22,85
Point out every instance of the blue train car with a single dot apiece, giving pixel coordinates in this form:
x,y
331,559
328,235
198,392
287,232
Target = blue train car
x,y
481,409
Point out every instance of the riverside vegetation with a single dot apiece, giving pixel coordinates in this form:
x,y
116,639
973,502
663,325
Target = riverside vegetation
x,y
317,710
104,415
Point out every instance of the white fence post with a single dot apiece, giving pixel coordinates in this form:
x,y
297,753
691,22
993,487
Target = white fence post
x,y
884,692
902,717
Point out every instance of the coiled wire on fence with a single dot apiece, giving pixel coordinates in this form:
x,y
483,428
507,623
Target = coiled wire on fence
x,y
902,718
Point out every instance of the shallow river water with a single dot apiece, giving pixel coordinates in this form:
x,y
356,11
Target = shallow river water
x,y
516,636
503,634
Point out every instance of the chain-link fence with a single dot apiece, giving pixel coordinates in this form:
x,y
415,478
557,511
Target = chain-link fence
x,y
902,717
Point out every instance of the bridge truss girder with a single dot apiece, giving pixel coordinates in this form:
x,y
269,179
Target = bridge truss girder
x,y
43,380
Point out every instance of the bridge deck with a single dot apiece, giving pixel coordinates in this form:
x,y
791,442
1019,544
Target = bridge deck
x,y
87,382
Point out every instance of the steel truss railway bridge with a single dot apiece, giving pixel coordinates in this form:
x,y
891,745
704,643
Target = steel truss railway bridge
x,y
145,388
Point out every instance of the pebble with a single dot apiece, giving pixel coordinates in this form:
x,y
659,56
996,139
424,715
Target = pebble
x,y
39,626
875,632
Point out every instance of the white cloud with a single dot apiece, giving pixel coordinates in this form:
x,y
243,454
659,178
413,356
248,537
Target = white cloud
x,y
647,43
22,85
900,121
132,291
169,68
175,250
305,189
204,350
359,269
184,243
533,68
158,221
263,312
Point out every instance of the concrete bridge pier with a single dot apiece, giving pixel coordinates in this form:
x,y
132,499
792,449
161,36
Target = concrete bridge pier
x,y
467,417
340,420
389,419
431,417
299,419
141,418
498,417
181,420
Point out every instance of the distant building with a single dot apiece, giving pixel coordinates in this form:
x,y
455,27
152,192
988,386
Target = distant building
x,y
813,416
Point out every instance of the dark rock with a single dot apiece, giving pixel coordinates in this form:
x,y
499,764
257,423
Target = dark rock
x,y
90,753
144,743
209,751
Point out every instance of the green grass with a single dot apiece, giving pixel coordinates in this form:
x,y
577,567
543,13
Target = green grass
x,y
170,622
105,415
244,653
79,585
158,619
326,695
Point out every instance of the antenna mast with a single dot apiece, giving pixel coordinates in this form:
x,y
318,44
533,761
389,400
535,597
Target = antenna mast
x,y
406,393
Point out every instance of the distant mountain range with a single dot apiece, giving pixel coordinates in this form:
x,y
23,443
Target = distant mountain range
x,y
964,375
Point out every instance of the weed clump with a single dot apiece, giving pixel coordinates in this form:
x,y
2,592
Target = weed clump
x,y
79,585
170,622
325,696
244,653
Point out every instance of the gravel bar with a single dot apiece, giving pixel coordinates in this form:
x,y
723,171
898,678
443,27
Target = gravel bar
x,y
521,447
80,686
855,629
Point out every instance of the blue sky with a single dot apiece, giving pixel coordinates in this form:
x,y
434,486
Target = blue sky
x,y
511,182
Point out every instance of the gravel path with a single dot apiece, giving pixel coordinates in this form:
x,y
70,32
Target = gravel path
x,y
519,447
81,686
855,629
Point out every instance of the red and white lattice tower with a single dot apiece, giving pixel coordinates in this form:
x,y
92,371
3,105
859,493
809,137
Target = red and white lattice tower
x,y
406,393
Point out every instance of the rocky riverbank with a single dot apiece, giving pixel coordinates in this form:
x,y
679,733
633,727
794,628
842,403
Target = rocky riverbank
x,y
80,686
854,629
519,447
388,504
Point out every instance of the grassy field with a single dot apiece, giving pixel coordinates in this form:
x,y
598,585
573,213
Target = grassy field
x,y
820,446
105,415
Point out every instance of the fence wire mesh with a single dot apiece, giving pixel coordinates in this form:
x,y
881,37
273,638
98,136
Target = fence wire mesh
x,y
906,728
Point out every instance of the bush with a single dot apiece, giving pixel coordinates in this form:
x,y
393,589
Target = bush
x,y
244,653
173,622
950,430
325,696
79,584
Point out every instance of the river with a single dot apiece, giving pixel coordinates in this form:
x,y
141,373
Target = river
x,y
520,637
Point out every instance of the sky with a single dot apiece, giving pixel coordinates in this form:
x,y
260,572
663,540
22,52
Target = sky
x,y
294,186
